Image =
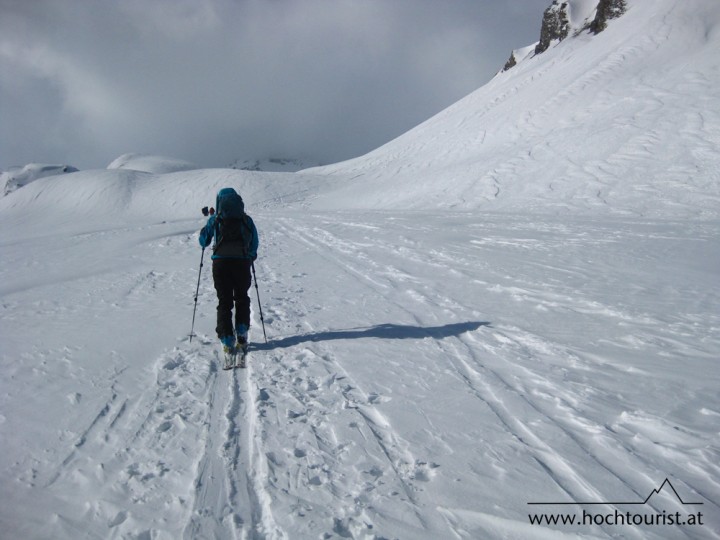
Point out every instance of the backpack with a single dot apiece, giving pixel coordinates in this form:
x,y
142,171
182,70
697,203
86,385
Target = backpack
x,y
232,227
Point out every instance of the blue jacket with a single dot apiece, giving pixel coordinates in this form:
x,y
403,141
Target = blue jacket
x,y
210,232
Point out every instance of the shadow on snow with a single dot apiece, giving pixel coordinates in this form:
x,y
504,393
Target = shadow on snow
x,y
380,331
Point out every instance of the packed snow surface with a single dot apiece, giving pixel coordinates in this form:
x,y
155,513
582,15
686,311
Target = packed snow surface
x,y
549,347
427,375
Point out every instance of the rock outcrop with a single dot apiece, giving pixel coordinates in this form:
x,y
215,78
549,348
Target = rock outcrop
x,y
606,10
564,17
555,25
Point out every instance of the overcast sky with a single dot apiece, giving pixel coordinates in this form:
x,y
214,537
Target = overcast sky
x,y
211,81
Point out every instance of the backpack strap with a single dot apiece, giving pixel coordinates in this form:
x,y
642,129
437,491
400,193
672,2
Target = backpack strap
x,y
216,233
246,245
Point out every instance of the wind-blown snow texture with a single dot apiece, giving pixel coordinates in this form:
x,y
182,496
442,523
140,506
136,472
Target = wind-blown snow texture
x,y
428,373
623,123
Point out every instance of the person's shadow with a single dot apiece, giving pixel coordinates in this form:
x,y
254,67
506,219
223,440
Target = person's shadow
x,y
380,331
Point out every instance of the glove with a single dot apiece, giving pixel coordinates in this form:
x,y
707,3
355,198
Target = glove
x,y
205,211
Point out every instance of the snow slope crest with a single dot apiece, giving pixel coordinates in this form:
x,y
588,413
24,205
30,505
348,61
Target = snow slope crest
x,y
273,164
17,178
150,164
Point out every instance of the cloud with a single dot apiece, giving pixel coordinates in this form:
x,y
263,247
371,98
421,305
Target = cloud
x,y
210,81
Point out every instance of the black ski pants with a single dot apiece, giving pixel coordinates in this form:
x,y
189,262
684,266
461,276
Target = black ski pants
x,y
232,280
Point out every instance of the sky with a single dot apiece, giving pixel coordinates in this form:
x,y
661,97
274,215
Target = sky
x,y
213,81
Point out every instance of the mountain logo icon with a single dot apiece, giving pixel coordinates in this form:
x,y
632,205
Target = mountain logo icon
x,y
666,487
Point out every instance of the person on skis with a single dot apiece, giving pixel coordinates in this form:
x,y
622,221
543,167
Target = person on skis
x,y
234,251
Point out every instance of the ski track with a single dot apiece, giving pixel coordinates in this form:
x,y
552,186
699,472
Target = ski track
x,y
157,448
320,458
429,373
179,445
487,385
564,420
309,441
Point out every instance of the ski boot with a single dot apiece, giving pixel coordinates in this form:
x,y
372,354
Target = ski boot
x,y
242,345
230,351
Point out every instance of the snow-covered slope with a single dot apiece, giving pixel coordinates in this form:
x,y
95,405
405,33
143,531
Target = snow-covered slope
x,y
624,122
122,195
17,178
428,374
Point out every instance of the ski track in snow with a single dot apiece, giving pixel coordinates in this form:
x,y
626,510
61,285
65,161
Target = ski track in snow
x,y
558,410
429,373
417,382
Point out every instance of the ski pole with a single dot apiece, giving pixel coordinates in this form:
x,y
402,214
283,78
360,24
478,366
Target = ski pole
x,y
197,290
257,291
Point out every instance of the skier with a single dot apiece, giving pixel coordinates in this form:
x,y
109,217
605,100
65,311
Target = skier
x,y
235,250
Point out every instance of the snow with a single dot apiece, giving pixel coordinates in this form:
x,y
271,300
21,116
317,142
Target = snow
x,y
524,52
273,164
580,13
623,123
18,177
516,302
150,163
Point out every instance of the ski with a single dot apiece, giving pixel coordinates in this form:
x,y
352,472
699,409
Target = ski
x,y
240,360
235,359
230,360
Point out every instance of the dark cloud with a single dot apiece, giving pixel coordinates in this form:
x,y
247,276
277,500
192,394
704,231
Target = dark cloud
x,y
83,81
